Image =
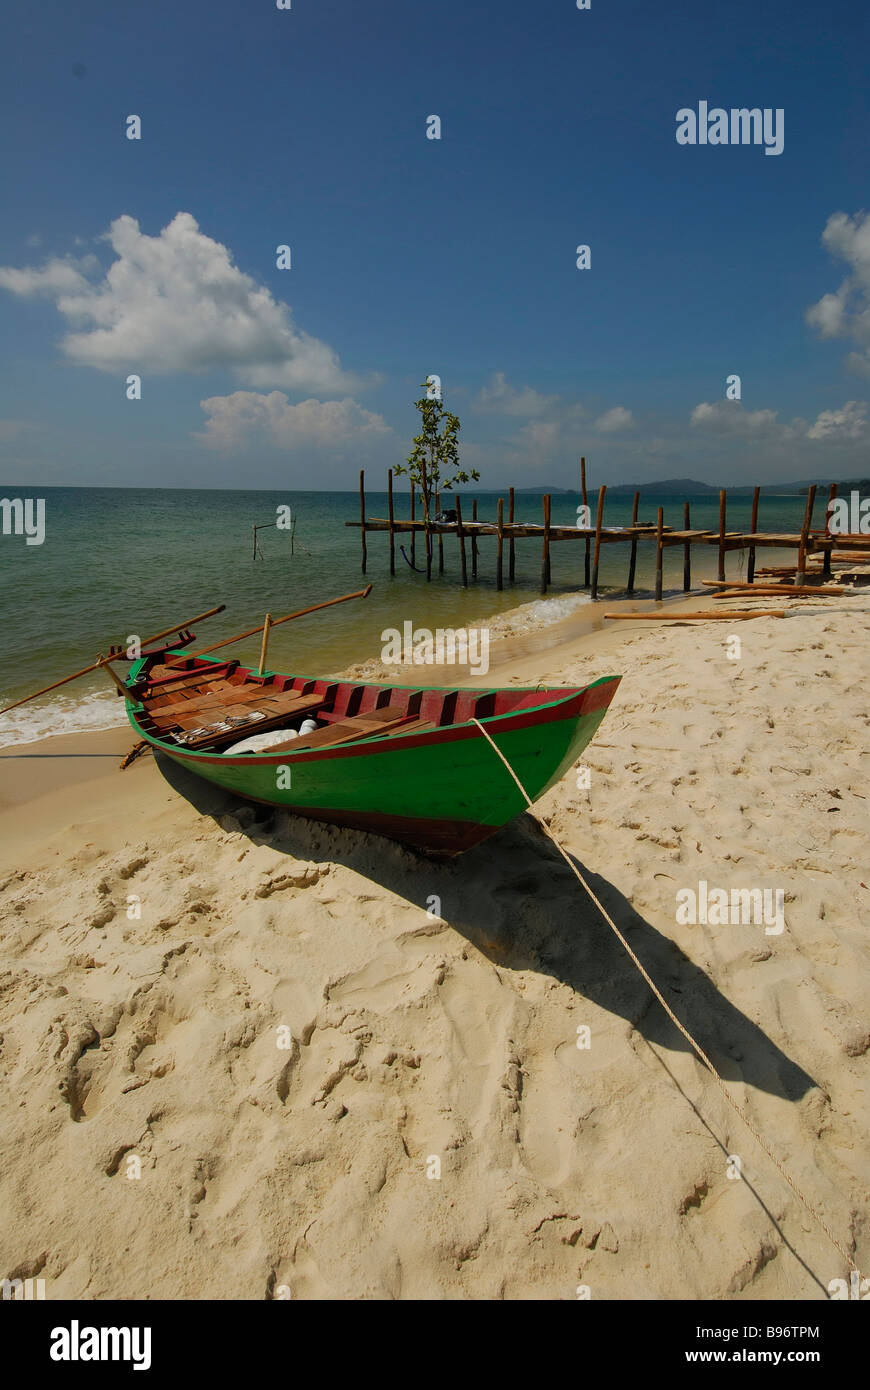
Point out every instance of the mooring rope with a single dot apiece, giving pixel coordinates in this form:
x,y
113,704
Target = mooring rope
x,y
671,1015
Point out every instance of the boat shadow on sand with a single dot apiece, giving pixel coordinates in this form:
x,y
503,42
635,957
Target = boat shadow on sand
x,y
514,899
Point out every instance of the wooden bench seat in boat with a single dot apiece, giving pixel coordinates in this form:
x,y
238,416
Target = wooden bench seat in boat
x,y
388,719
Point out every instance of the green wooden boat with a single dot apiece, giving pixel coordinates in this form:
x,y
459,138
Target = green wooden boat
x,y
402,761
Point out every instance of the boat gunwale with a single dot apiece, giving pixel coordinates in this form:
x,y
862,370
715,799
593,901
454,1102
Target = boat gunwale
x,y
368,742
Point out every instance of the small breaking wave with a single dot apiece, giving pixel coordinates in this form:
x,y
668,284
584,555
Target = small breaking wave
x,y
61,714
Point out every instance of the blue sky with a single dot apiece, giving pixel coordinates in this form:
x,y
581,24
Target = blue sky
x,y
411,256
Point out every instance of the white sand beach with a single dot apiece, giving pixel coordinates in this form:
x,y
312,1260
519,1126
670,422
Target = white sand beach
x,y
245,1056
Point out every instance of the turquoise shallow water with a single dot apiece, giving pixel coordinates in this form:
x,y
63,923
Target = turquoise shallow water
x,y
118,561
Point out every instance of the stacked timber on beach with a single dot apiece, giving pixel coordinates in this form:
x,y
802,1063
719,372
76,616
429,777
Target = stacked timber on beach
x,y
819,553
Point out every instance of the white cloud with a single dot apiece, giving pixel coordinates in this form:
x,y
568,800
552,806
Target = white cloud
x,y
246,416
728,417
614,420
848,423
55,278
176,303
845,313
499,396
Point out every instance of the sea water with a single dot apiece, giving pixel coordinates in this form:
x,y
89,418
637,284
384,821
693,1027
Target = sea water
x,y
122,562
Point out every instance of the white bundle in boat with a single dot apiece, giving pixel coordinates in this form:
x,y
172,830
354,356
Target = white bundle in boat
x,y
258,743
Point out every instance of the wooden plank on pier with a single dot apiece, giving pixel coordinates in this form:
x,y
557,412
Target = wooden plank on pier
x,y
511,550
499,554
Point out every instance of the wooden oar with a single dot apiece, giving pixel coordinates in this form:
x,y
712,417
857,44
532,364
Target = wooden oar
x,y
759,587
116,656
276,622
692,617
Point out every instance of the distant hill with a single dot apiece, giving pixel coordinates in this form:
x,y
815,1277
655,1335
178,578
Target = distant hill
x,y
687,487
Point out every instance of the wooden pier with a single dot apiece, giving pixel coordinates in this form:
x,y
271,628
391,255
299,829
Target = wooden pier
x,y
815,549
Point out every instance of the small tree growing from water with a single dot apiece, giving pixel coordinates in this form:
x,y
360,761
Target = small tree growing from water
x,y
433,463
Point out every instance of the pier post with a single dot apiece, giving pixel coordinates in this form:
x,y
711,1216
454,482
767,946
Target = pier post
x,y
660,521
805,531
687,550
511,556
413,532
632,559
392,521
500,543
461,534
753,527
721,574
474,541
585,497
826,561
440,536
362,515
599,517
545,554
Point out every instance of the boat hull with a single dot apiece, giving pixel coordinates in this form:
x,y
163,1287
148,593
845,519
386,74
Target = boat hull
x,y
441,791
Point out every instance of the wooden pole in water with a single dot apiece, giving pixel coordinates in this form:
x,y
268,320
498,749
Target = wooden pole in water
x,y
687,550
599,517
632,560
474,540
660,523
440,536
427,537
753,527
460,532
805,531
721,573
498,559
585,496
545,554
362,515
826,561
264,645
511,546
392,521
413,531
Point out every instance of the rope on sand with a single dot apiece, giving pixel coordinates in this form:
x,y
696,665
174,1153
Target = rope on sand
x,y
672,1016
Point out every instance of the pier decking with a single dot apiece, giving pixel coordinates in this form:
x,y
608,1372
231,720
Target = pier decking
x,y
808,542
